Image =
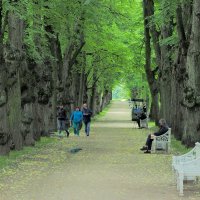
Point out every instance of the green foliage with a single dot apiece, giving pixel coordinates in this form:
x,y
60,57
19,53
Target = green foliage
x,y
113,31
172,40
120,92
178,148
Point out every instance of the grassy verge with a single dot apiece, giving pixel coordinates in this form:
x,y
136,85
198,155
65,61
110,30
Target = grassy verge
x,y
14,155
178,147
151,124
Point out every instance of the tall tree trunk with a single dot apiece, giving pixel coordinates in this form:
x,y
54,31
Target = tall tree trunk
x,y
149,73
104,98
165,78
14,62
28,127
94,92
163,62
55,50
72,52
4,127
154,33
180,74
192,82
82,80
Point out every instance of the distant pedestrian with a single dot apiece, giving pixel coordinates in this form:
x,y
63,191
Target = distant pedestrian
x,y
61,120
76,120
87,113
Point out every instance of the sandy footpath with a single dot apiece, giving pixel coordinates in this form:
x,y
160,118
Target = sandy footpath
x,y
110,166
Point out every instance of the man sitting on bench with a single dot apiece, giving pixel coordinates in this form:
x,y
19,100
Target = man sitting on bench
x,y
163,129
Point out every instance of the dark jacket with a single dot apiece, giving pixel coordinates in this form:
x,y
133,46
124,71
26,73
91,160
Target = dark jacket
x,y
143,116
87,113
162,130
61,114
144,109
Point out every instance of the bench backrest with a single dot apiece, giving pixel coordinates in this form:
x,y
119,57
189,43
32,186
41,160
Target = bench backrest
x,y
196,152
165,137
163,141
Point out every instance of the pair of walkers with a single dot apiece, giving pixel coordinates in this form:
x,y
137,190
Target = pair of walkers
x,y
78,116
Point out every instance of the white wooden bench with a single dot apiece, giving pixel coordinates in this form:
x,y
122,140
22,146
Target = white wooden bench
x,y
191,155
187,167
162,142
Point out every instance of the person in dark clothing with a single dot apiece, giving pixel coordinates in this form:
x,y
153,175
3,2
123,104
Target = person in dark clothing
x,y
87,113
144,108
61,116
163,129
141,116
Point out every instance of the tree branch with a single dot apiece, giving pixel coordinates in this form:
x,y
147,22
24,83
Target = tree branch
x,y
76,53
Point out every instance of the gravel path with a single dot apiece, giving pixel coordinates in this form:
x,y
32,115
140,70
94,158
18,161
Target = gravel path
x,y
109,167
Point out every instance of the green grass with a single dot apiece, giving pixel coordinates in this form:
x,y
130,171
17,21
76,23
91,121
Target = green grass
x,y
178,147
14,155
151,124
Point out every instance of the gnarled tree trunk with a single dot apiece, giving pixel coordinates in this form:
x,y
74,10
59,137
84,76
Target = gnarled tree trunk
x,y
4,127
192,82
149,72
14,62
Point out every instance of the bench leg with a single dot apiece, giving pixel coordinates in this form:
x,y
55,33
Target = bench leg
x,y
181,184
177,181
197,180
174,174
169,148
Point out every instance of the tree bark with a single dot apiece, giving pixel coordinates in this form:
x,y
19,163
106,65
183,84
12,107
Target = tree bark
x,y
82,80
149,73
165,76
71,57
5,137
191,100
94,91
14,62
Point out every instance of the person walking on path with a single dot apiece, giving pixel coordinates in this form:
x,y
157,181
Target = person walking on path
x,y
76,120
163,129
87,113
61,119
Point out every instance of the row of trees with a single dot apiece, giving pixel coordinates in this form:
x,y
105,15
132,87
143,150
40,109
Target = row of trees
x,y
51,53
70,52
172,48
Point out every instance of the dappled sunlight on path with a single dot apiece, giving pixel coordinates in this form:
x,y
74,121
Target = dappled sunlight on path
x,y
109,166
